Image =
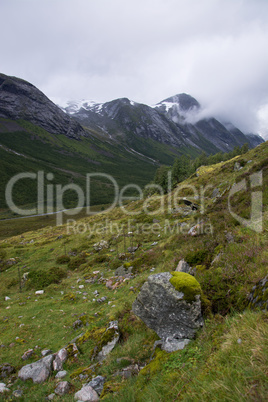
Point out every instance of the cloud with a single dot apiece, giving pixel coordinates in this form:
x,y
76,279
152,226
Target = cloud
x,y
146,50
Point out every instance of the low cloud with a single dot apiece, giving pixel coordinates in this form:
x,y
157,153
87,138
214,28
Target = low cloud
x,y
146,50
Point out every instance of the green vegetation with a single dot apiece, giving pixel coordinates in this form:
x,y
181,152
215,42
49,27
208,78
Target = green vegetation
x,y
228,359
186,284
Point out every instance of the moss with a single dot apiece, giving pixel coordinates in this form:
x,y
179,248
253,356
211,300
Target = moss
x,y
200,268
103,339
109,388
70,296
82,370
155,366
186,284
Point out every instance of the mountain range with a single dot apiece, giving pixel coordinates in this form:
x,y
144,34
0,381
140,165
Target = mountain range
x,y
126,139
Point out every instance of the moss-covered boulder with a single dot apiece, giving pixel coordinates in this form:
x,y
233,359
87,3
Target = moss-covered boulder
x,y
170,305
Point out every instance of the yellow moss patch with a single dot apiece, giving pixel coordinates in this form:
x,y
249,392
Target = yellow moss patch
x,y
186,284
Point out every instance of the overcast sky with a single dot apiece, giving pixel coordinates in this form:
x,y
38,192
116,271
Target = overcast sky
x,y
146,50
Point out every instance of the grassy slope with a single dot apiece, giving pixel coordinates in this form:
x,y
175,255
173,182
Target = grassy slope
x,y
214,366
69,161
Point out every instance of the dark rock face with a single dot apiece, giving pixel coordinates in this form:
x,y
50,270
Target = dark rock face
x,y
164,309
167,122
21,100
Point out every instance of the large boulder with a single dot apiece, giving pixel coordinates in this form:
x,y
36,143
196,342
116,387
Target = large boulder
x,y
170,305
38,371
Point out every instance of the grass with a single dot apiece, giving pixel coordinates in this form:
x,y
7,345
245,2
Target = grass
x,y
228,359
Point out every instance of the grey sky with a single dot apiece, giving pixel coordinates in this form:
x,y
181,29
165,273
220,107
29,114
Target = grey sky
x,y
146,50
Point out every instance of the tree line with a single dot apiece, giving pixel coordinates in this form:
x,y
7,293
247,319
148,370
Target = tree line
x,y
183,167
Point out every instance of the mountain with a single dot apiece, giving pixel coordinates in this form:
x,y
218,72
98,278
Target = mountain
x,y
173,121
21,100
122,138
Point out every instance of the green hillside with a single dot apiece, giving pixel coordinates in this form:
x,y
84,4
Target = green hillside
x,y
227,361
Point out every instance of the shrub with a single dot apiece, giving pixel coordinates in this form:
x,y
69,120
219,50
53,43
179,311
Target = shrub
x,y
76,262
3,254
63,259
41,278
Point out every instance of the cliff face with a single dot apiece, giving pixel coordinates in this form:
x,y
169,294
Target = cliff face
x,y
21,100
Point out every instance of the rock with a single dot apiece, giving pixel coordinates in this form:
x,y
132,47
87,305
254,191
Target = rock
x,y
39,292
183,266
101,245
107,342
196,229
87,393
62,388
26,355
237,166
6,370
97,384
51,397
122,271
3,388
21,100
129,371
175,315
17,393
171,344
60,358
61,374
258,297
38,371
46,352
229,237
77,324
215,193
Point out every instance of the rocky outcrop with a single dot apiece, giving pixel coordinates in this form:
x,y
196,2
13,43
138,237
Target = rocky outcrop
x,y
173,311
21,100
38,371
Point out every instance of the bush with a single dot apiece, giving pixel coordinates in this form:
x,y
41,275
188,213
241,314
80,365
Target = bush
x,y
3,254
76,262
42,278
63,259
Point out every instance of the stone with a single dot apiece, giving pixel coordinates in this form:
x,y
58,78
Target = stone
x,y
46,352
60,358
51,397
61,374
77,324
183,266
165,310
101,245
62,388
6,370
237,166
97,384
258,297
86,394
39,292
216,193
171,345
108,347
17,393
26,355
3,388
38,371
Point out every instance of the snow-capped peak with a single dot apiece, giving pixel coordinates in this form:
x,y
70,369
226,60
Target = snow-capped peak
x,y
72,107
